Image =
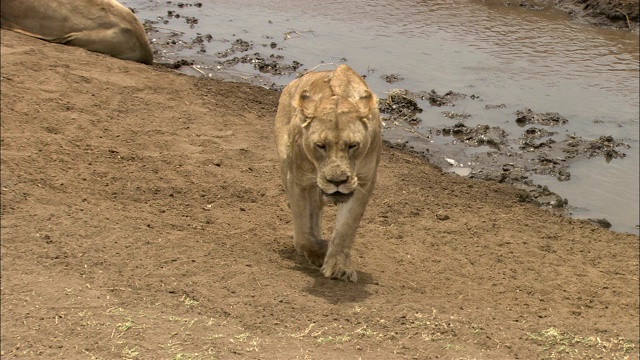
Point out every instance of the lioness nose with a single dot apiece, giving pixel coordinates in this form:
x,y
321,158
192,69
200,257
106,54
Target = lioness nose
x,y
338,182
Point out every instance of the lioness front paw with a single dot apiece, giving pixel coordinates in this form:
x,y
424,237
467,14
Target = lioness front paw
x,y
339,267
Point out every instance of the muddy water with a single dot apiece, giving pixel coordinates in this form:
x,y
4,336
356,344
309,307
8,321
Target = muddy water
x,y
502,55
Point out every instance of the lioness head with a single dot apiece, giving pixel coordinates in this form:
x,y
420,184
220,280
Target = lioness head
x,y
336,138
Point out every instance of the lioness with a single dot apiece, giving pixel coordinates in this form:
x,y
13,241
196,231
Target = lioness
x,y
98,25
328,139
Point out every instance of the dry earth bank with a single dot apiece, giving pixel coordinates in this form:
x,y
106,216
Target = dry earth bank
x,y
142,218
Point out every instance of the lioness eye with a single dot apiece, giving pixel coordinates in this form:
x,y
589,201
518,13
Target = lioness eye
x,y
353,146
320,146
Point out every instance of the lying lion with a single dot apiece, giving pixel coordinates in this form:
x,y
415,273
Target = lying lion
x,y
328,139
103,26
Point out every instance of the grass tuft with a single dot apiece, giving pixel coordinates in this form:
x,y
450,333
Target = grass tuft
x,y
560,344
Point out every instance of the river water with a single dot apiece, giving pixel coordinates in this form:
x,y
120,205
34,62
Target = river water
x,y
502,54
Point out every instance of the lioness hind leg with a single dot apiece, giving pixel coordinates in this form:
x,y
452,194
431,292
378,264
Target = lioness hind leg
x,y
314,250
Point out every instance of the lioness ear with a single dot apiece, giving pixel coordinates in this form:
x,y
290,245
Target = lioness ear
x,y
307,104
364,104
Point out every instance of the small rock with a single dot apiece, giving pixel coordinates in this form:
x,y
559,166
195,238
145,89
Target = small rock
x,y
604,223
442,217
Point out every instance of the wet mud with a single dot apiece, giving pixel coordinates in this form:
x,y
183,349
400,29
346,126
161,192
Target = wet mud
x,y
613,14
400,105
239,51
509,158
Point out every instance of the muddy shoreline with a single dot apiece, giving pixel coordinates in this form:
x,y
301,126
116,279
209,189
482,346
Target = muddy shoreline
x,y
510,159
481,152
621,15
616,14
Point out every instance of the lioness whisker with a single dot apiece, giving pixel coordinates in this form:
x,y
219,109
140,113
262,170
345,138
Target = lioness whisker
x,y
359,189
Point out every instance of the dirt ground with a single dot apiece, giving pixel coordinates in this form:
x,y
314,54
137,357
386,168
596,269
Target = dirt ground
x,y
614,14
142,218
618,14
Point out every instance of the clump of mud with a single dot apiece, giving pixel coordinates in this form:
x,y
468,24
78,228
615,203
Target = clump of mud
x,y
542,196
493,137
530,135
455,115
548,165
436,99
536,133
400,105
527,116
604,223
273,64
605,146
182,5
530,145
392,78
237,46
200,39
178,63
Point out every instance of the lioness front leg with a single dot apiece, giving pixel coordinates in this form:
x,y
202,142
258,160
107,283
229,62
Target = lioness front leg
x,y
306,209
337,262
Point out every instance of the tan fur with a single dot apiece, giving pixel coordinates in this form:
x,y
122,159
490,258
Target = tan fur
x,y
329,142
103,26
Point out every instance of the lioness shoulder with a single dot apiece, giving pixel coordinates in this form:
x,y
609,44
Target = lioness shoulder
x,y
328,141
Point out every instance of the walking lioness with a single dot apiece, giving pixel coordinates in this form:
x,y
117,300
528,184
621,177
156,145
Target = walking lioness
x,y
328,139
